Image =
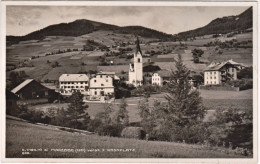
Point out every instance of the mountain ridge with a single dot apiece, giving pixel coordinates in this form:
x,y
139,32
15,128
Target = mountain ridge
x,y
83,26
222,25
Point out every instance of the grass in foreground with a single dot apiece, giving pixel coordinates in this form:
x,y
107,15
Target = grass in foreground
x,y
22,135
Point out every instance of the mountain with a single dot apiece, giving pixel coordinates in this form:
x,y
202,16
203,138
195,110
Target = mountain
x,y
223,25
82,26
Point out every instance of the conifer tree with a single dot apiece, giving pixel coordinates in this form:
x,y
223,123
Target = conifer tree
x,y
147,116
122,114
76,110
184,104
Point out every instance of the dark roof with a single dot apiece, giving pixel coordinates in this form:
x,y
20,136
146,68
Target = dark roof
x,y
20,86
164,73
218,66
138,49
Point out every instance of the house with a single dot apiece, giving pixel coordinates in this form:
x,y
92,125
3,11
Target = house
x,y
136,68
161,77
70,82
31,92
217,73
101,84
11,103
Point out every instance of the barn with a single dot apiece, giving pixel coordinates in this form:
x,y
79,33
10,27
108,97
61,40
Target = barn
x,y
32,92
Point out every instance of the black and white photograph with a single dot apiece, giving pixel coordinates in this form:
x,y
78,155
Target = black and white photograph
x,y
130,81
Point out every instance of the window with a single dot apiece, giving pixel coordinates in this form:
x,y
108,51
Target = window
x,y
210,77
139,60
95,81
106,76
95,92
81,83
106,80
81,87
210,72
86,82
72,86
102,84
68,86
65,87
72,82
215,72
100,76
215,77
68,82
76,86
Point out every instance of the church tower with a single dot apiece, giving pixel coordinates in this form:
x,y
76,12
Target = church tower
x,y
136,69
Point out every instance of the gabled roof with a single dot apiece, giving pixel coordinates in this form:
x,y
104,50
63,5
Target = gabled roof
x,y
217,66
111,74
74,77
23,84
106,73
164,73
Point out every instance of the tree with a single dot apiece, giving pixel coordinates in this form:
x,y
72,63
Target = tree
x,y
185,106
245,73
76,110
122,114
105,116
196,54
16,78
147,117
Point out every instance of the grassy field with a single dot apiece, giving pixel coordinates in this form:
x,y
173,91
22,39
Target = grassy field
x,y
22,135
74,62
213,100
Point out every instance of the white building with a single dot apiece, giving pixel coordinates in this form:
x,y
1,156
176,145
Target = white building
x,y
157,79
161,77
217,73
70,82
136,68
101,84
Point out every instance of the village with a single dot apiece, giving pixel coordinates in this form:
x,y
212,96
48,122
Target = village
x,y
100,87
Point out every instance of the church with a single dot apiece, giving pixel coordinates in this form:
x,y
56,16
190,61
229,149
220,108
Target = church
x,y
136,68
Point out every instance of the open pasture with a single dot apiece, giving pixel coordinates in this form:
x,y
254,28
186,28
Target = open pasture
x,y
213,100
22,135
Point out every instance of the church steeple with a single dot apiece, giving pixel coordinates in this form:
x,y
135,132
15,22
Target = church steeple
x,y
138,49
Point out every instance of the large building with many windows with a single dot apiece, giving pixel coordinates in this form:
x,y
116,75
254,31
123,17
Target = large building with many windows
x,y
71,82
218,73
94,86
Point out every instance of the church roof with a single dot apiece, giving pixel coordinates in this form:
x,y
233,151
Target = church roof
x,y
138,49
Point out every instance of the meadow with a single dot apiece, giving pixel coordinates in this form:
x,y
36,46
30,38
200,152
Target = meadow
x,y
23,136
82,61
212,100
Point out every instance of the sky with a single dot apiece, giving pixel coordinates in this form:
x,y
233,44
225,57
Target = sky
x,y
22,20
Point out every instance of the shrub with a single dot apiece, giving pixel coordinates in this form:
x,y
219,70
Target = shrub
x,y
245,73
243,84
111,130
94,125
133,132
